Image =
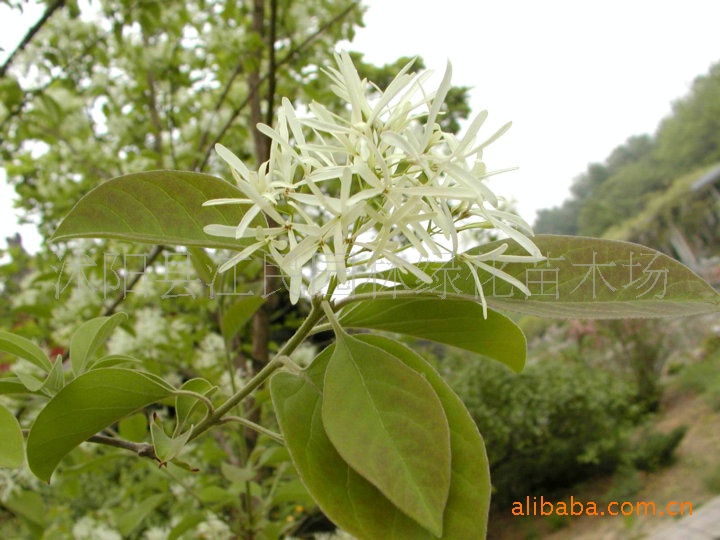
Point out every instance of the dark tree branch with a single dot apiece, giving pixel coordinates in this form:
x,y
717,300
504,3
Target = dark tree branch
x,y
154,254
291,54
261,141
272,60
31,34
141,449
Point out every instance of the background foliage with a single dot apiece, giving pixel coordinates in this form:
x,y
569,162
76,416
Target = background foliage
x,y
145,85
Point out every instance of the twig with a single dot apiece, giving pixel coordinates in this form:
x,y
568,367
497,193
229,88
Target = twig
x,y
257,427
151,259
141,449
284,60
34,29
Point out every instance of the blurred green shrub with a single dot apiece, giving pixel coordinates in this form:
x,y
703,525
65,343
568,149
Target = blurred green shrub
x,y
654,450
549,427
703,377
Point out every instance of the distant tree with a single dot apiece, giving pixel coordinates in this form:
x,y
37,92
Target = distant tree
x,y
611,192
690,137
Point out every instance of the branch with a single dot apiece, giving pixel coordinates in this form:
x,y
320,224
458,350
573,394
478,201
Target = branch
x,y
155,118
262,146
141,449
292,53
272,68
30,34
151,259
257,427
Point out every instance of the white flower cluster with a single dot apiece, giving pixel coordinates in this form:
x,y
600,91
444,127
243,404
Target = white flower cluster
x,y
88,528
355,189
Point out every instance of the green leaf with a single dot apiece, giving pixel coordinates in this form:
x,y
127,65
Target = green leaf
x,y
85,406
30,506
134,427
450,321
238,475
239,314
347,498
12,385
166,448
25,349
89,337
216,495
388,424
202,263
584,278
469,500
156,207
129,520
31,382
55,380
111,360
186,405
185,524
11,440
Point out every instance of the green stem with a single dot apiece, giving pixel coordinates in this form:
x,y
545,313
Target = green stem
x,y
332,319
200,397
257,427
271,367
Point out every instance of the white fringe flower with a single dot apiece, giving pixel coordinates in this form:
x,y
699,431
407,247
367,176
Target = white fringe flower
x,y
343,192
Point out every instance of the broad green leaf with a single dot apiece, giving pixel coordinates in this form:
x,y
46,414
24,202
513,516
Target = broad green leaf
x,y
216,495
89,337
30,506
85,406
12,385
351,501
238,475
239,313
156,207
388,424
11,440
582,278
134,427
25,349
185,524
48,386
451,321
469,500
31,382
129,520
186,405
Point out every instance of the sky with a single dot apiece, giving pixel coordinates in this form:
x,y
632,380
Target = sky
x,y
576,78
